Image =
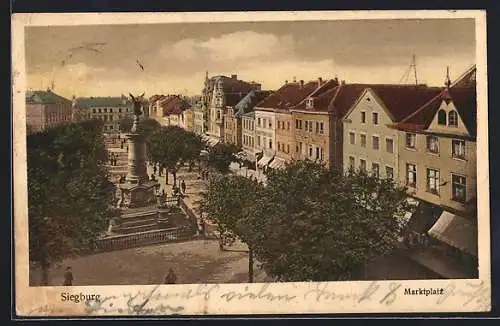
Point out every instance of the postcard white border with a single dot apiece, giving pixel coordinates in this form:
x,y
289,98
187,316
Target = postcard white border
x,y
464,295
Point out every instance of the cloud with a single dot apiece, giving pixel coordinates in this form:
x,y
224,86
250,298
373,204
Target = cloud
x,y
244,45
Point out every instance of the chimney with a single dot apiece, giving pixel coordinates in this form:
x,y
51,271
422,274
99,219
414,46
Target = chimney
x,y
301,83
336,80
343,82
286,82
320,81
234,76
294,79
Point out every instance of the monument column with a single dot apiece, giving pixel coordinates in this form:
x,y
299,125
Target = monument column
x,y
137,170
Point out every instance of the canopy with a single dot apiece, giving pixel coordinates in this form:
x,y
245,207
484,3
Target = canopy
x,y
456,231
264,160
277,163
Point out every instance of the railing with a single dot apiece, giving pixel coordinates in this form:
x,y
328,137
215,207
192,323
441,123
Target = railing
x,y
189,212
119,242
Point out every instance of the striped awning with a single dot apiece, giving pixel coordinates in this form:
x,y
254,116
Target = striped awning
x,y
455,231
211,141
277,163
264,161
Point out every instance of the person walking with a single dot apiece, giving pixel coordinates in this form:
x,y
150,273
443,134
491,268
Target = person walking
x,y
68,277
154,168
183,187
171,278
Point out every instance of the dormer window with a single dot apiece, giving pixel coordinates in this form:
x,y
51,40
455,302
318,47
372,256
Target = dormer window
x,y
310,103
442,117
453,119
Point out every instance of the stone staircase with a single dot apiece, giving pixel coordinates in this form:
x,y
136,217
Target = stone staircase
x,y
139,222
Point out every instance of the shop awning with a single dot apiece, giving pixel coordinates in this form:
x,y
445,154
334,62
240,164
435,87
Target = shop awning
x,y
277,163
423,218
264,161
241,155
455,231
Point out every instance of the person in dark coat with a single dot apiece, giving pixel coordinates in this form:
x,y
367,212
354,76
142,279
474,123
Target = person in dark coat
x,y
154,168
183,186
68,277
170,278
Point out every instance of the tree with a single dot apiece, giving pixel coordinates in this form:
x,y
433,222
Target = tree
x,y
316,224
172,145
69,195
125,124
221,155
310,223
229,200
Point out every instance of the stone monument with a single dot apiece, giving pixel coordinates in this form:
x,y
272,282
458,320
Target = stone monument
x,y
137,190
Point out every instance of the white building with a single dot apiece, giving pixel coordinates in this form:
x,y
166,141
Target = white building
x,y
369,143
265,135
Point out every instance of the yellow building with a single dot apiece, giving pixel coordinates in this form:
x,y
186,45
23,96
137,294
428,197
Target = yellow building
x,y
437,162
285,139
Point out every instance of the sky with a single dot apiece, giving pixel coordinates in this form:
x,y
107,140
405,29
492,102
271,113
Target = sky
x,y
176,56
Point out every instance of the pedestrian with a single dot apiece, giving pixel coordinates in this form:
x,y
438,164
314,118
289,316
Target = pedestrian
x,y
163,192
202,227
154,168
159,171
170,278
153,177
183,186
68,277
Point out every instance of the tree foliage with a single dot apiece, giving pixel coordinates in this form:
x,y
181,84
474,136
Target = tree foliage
x,y
170,146
221,155
310,223
125,124
69,195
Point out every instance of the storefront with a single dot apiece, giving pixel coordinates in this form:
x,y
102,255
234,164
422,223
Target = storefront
x,y
277,164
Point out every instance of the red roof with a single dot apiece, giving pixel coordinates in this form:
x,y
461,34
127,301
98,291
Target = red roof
x,y
292,94
173,104
463,95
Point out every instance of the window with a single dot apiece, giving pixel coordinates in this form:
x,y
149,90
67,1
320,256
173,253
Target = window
x,y
352,138
270,124
296,148
411,175
310,151
458,148
258,122
389,145
389,172
375,118
442,117
318,156
375,142
362,140
270,143
376,169
362,165
321,154
100,111
279,146
351,162
411,140
93,110
258,140
453,119
288,148
288,125
105,110
300,147
321,129
119,110
433,144
363,117
458,184
317,127
310,126
433,181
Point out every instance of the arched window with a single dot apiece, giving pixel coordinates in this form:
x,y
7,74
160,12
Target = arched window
x,y
442,117
453,119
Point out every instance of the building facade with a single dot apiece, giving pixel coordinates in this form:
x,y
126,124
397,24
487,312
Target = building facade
x,y
108,109
46,109
248,136
437,153
370,144
219,94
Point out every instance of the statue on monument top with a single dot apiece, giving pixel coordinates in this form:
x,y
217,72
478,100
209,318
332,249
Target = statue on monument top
x,y
138,101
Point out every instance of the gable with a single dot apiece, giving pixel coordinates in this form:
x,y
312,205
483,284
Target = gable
x,y
368,102
443,114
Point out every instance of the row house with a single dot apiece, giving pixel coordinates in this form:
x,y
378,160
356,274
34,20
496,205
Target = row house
x,y
248,136
437,154
311,124
233,122
45,109
274,127
370,144
220,94
108,109
172,110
